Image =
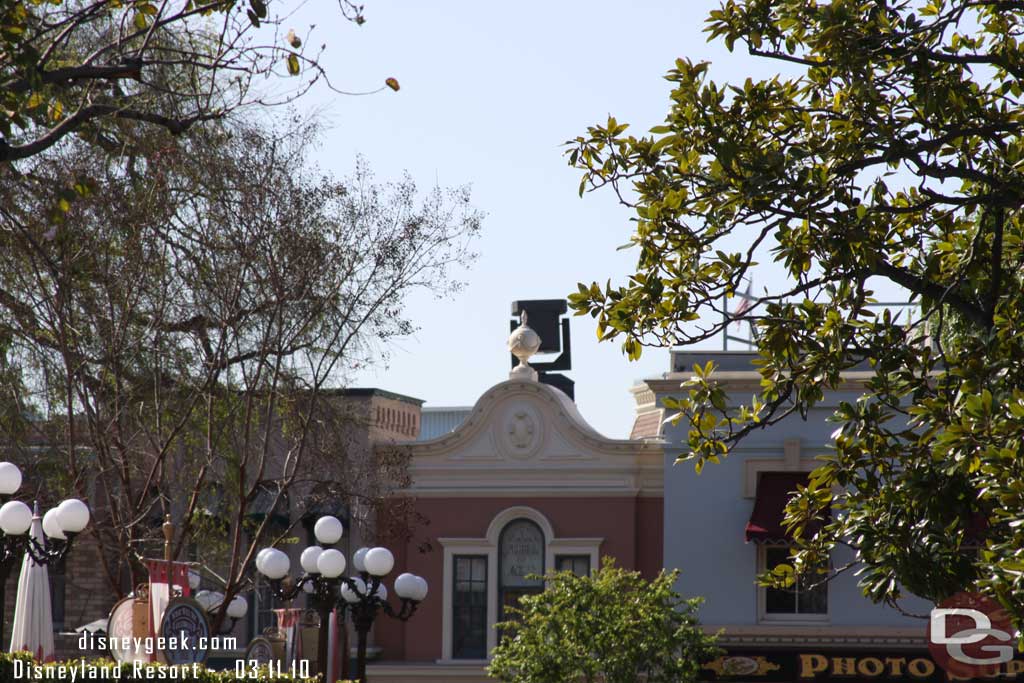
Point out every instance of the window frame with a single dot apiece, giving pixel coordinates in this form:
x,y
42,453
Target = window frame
x,y
455,655
764,616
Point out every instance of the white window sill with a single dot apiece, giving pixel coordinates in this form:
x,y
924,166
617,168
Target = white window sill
x,y
795,619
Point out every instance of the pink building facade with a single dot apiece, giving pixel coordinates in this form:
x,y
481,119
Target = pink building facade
x,y
522,486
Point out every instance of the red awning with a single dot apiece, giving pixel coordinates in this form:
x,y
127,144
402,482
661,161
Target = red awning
x,y
773,492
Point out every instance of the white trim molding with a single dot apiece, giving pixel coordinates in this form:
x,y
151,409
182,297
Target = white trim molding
x,y
488,547
792,461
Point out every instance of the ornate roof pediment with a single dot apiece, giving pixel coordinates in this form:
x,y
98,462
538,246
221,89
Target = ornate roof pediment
x,y
525,435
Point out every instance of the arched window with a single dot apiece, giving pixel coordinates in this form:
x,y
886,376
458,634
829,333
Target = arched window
x,y
521,550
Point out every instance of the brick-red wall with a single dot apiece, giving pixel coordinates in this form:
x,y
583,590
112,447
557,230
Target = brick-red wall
x,y
630,526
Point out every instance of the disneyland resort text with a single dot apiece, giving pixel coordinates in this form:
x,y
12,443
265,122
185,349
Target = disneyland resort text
x,y
87,671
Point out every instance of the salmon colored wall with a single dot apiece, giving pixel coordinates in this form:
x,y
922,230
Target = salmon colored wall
x,y
631,529
650,532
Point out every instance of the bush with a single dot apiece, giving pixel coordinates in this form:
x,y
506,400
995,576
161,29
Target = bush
x,y
21,666
612,626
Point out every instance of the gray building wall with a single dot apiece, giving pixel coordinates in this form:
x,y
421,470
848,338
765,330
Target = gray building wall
x,y
705,515
441,420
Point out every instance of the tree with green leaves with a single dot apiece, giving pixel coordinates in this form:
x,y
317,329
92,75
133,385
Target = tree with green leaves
x,y
613,626
85,68
182,334
893,152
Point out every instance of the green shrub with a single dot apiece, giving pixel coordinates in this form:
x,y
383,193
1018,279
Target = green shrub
x,y
21,666
613,626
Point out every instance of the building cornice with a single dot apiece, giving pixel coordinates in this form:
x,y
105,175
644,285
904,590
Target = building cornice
x,y
824,636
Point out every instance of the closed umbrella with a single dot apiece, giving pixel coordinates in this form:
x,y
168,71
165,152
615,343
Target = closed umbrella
x,y
33,620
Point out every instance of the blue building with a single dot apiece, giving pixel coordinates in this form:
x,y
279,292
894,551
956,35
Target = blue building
x,y
722,528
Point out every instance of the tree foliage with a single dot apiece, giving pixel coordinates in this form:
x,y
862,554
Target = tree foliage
x,y
612,626
893,152
180,336
84,67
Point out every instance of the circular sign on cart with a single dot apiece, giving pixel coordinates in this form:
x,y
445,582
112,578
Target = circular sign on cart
x,y
119,631
260,650
186,632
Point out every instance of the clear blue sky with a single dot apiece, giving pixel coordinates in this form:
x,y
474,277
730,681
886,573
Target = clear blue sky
x,y
490,91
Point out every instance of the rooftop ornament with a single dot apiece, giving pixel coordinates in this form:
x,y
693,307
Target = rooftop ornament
x,y
523,343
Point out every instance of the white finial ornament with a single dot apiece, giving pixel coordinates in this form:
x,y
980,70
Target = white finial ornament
x,y
523,343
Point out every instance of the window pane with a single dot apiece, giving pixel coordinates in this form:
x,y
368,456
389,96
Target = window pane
x,y
798,599
577,564
463,569
521,553
779,601
479,568
469,608
813,600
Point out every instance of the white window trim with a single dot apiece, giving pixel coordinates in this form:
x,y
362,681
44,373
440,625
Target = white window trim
x,y
488,547
762,613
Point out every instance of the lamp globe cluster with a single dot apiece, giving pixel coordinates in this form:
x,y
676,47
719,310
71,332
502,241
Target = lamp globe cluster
x,y
362,596
67,519
321,561
211,600
60,526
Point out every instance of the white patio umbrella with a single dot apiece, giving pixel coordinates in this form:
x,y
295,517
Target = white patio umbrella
x,y
33,620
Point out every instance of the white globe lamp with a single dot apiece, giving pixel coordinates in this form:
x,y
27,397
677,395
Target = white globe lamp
x,y
421,589
309,557
357,559
350,595
405,586
328,530
275,565
15,518
331,563
260,556
203,598
238,607
51,527
379,561
10,478
72,515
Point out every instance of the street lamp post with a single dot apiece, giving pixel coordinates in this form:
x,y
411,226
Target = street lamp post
x,y
60,526
364,595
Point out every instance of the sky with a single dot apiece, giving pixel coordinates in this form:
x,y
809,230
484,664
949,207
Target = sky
x,y
489,94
